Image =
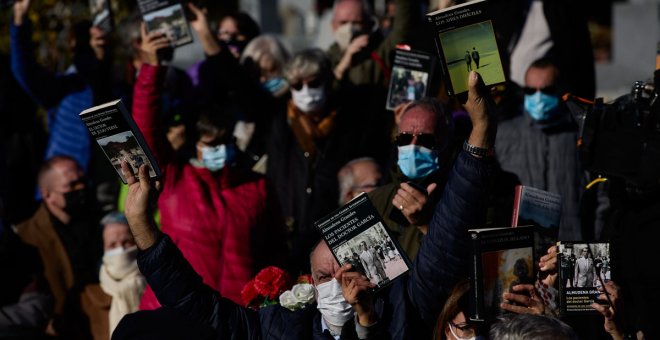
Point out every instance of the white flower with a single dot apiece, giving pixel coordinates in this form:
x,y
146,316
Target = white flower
x,y
289,301
304,293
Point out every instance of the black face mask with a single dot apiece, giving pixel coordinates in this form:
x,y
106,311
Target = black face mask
x,y
76,202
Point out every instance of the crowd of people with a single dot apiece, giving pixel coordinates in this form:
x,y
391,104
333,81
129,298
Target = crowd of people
x,y
256,143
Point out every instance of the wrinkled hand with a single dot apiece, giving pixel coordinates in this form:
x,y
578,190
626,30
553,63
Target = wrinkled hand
x,y
98,41
548,264
478,105
531,303
354,287
413,203
609,312
151,43
137,209
21,8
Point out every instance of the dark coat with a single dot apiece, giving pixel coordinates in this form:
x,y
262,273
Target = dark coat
x,y
407,310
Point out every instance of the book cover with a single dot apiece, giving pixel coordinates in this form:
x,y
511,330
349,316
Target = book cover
x,y
116,133
411,76
101,15
583,268
541,209
356,234
167,17
500,259
465,40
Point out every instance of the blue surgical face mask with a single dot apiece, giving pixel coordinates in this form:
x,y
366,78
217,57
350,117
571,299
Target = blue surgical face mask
x,y
541,106
215,158
417,161
275,84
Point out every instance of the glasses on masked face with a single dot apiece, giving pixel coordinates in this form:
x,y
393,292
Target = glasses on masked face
x,y
550,90
312,84
426,140
462,330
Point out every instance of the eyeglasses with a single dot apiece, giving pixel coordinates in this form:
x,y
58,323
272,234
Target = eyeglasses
x,y
426,140
313,84
467,329
547,90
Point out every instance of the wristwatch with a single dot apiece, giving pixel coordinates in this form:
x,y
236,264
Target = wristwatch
x,y
476,151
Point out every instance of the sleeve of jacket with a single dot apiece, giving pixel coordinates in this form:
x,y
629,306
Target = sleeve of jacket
x,y
44,87
443,256
177,285
147,102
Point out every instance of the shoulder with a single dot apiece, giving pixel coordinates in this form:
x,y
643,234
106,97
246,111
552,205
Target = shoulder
x,y
277,321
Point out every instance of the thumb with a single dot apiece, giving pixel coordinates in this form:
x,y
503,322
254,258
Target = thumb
x,y
431,188
143,31
476,88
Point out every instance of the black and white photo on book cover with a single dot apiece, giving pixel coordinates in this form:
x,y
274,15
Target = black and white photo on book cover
x,y
583,269
373,253
169,20
124,146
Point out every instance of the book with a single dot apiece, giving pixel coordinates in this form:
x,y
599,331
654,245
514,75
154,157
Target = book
x,y
500,259
583,268
465,41
541,209
101,15
411,76
116,133
167,17
356,234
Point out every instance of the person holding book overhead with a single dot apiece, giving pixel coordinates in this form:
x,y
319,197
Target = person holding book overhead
x,y
407,310
223,217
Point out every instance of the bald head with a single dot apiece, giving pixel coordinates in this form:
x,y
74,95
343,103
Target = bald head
x,y
354,12
56,170
357,176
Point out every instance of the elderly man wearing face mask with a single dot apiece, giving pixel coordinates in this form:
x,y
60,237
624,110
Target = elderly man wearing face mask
x,y
224,217
408,309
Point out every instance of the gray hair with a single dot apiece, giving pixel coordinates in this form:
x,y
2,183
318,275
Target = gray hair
x,y
346,177
308,63
114,217
266,44
527,326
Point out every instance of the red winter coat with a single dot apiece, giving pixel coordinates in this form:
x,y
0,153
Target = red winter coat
x,y
227,224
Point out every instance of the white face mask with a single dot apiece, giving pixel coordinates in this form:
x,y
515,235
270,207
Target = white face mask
x,y
308,99
120,262
451,329
331,303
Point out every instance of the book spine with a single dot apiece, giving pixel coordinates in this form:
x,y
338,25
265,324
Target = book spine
x,y
477,312
516,205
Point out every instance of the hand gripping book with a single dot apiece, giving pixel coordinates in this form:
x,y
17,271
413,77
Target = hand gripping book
x,y
101,15
115,131
541,209
583,268
500,259
411,76
356,234
167,17
465,40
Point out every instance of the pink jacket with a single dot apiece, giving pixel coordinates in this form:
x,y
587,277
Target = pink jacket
x,y
227,224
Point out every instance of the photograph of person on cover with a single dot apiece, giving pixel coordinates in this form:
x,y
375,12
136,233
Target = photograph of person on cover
x,y
124,146
373,253
170,21
590,265
503,269
472,44
405,86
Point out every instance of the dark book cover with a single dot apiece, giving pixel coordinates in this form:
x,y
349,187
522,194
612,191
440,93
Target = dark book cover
x,y
116,133
167,17
500,259
356,234
411,76
541,209
101,15
583,268
465,40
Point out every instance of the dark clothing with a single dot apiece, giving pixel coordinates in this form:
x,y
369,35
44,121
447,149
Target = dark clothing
x,y
475,57
408,309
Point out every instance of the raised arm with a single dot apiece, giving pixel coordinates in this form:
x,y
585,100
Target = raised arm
x,y
443,257
147,94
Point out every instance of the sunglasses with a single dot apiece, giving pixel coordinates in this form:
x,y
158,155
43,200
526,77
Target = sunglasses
x,y
426,140
547,90
312,84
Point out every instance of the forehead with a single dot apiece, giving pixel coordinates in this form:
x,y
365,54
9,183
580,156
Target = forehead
x,y
112,231
418,120
366,168
322,260
228,24
348,10
65,172
541,77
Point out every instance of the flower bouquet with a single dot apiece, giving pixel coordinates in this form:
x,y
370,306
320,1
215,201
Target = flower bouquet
x,y
272,286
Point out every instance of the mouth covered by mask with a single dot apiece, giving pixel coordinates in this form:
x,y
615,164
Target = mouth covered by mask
x,y
308,99
215,158
541,107
417,161
119,262
275,85
345,33
331,303
76,202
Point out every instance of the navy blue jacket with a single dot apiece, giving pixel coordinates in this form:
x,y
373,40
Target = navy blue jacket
x,y
407,310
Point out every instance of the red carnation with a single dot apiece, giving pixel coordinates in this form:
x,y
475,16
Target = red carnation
x,y
307,278
271,281
249,293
